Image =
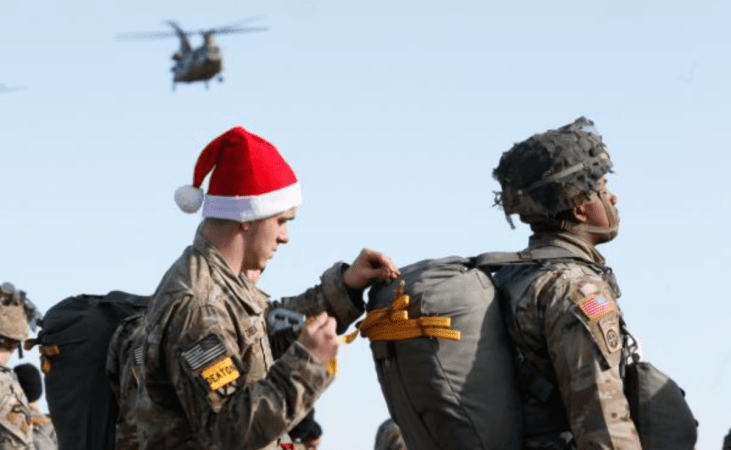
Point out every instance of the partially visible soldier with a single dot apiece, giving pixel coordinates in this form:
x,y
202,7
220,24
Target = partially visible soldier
x,y
388,437
563,316
16,418
124,361
44,435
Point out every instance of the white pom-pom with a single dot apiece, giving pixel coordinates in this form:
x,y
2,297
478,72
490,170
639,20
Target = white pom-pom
x,y
189,198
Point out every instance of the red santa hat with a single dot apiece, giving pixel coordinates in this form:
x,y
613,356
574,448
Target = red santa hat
x,y
250,180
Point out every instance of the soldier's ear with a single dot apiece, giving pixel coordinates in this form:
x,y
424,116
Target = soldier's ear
x,y
579,213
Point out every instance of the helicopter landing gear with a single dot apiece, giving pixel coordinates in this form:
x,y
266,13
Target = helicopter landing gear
x,y
173,86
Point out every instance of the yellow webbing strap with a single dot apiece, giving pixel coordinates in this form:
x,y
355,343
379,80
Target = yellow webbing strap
x,y
393,323
332,366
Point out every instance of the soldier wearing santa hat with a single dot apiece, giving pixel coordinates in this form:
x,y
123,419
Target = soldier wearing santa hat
x,y
208,379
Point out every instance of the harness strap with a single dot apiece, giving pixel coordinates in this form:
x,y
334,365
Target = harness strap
x,y
332,365
393,323
493,261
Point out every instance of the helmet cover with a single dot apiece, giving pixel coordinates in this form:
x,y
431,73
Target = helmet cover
x,y
552,172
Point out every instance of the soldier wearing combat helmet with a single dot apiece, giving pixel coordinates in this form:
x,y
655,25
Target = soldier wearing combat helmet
x,y
16,313
563,314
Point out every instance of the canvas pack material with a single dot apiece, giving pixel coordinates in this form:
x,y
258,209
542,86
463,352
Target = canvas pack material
x,y
80,401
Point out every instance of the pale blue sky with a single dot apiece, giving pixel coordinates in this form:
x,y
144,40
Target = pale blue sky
x,y
393,115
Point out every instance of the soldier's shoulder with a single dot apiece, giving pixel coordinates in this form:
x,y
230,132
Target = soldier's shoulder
x,y
181,289
568,286
566,278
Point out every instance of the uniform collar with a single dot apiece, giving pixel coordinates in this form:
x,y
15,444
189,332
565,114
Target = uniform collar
x,y
242,287
572,243
259,299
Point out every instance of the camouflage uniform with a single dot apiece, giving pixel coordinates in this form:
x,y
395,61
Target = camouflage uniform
x,y
565,322
123,369
209,379
16,426
44,435
16,314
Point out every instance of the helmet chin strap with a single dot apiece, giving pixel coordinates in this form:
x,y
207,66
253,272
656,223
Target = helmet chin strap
x,y
605,234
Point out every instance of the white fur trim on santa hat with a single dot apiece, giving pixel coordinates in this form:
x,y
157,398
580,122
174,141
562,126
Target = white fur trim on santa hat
x,y
189,198
246,209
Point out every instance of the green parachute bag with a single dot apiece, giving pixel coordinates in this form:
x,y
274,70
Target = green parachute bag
x,y
74,340
446,394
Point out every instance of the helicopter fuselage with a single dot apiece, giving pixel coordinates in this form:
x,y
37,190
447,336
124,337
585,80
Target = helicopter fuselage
x,y
200,64
196,64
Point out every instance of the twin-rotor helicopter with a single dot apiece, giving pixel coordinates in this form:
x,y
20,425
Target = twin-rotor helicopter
x,y
196,64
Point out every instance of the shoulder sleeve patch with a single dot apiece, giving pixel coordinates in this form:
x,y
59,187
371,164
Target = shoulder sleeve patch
x,y
597,306
209,359
610,329
220,374
203,352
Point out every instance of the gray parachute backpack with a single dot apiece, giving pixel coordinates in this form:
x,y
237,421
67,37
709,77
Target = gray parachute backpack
x,y
443,393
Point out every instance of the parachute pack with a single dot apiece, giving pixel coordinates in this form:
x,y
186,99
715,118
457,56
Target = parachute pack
x,y
74,340
460,390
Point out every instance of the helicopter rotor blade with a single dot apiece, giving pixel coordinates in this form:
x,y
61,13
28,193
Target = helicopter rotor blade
x,y
145,35
239,24
239,30
236,27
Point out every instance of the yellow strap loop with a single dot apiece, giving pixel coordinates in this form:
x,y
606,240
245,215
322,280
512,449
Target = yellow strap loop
x,y
393,323
332,366
49,350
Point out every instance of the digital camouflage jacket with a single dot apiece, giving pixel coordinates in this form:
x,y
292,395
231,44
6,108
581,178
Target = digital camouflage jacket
x,y
208,378
565,322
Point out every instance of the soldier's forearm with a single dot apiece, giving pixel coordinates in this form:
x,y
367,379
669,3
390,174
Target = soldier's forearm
x,y
259,413
330,295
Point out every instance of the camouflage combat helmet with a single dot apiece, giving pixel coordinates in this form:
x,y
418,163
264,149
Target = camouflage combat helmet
x,y
552,172
17,313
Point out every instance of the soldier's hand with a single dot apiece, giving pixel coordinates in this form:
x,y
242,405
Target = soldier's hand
x,y
368,267
319,337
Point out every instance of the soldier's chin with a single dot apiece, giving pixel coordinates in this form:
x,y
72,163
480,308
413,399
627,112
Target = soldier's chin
x,y
608,236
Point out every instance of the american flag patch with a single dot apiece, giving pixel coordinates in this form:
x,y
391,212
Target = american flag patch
x,y
137,354
597,306
204,352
